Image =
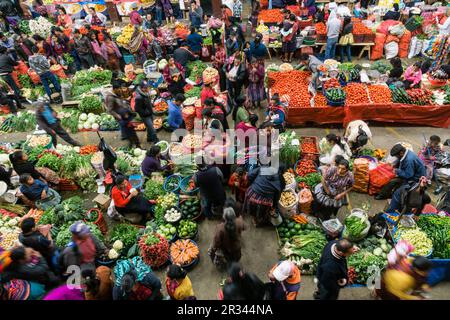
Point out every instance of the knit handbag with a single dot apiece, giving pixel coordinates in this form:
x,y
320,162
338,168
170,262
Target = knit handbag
x,y
346,39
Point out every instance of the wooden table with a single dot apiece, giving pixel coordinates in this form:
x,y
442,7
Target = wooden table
x,y
367,47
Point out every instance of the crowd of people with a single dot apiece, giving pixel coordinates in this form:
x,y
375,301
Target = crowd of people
x,y
30,270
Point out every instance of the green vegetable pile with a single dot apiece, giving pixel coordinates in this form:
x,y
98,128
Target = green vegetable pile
x,y
91,104
167,230
193,93
70,121
25,81
335,94
305,249
33,153
187,229
70,210
190,208
24,26
22,122
108,122
367,152
381,67
311,179
289,229
85,80
362,262
354,226
195,69
51,161
151,239
438,230
419,239
153,189
289,153
126,233
377,246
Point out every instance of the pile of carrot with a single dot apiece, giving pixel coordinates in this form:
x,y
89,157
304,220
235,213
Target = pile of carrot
x,y
380,94
183,252
294,84
88,149
356,94
299,219
320,100
271,16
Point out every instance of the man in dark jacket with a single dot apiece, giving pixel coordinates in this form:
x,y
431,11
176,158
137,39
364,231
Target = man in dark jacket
x,y
144,107
183,55
6,68
48,121
410,169
210,181
23,46
332,269
410,198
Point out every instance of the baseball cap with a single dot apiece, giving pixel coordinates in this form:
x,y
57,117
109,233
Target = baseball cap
x,y
283,271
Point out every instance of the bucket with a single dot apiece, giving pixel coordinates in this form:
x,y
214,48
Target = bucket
x,y
204,30
150,66
164,145
10,196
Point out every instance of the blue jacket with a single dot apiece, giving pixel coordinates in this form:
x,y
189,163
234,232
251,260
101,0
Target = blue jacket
x,y
175,118
195,42
411,168
259,51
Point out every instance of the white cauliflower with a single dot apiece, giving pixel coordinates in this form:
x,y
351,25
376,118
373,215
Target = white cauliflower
x,y
113,254
118,245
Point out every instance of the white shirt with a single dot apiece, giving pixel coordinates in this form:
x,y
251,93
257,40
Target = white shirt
x,y
352,131
343,11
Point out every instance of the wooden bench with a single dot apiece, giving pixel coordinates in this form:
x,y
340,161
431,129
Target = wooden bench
x,y
367,47
70,104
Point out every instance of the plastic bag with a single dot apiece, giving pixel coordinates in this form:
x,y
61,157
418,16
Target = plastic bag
x,y
379,177
397,30
391,50
412,48
332,227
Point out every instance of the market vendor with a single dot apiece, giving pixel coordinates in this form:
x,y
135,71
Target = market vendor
x,y
276,113
207,90
357,134
175,117
152,162
209,179
195,41
428,154
128,200
409,169
396,73
330,194
226,246
36,193
218,111
183,55
313,63
21,165
406,283
84,249
26,264
174,75
413,76
178,284
135,287
64,20
48,121
338,147
95,18
286,281
262,196
241,110
289,33
410,198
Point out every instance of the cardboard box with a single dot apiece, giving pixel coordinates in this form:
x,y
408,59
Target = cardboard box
x,y
103,201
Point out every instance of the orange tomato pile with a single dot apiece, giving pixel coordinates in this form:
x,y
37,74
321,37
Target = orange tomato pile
x,y
320,100
271,16
356,94
332,83
321,28
360,28
380,94
292,83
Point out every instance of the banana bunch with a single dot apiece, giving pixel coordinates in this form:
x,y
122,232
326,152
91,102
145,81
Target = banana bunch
x,y
380,154
126,35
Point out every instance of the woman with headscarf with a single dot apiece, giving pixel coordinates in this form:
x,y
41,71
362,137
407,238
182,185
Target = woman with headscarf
x,y
289,33
255,90
226,246
330,194
178,284
131,288
84,248
266,184
111,53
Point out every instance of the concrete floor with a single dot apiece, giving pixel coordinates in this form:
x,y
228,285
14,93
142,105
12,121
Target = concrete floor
x,y
260,248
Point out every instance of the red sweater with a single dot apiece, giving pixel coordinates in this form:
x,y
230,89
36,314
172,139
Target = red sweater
x,y
120,197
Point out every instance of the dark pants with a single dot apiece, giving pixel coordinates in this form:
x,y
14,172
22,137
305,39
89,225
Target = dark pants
x,y
128,133
12,102
387,191
10,81
46,78
87,60
138,205
76,59
324,293
57,129
151,133
234,88
211,209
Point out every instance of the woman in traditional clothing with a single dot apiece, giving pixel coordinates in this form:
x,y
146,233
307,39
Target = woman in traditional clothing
x,y
255,91
111,54
178,284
